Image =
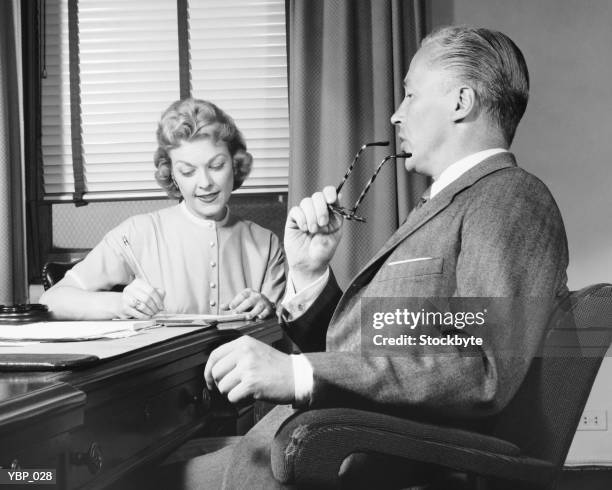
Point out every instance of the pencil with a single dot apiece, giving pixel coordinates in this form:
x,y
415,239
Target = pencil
x,y
138,268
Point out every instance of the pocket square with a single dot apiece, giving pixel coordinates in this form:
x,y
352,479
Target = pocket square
x,y
418,259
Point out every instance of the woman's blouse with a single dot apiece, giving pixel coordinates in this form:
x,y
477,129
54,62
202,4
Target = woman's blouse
x,y
199,263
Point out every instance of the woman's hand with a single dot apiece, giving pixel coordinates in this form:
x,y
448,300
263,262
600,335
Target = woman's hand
x,y
140,300
253,302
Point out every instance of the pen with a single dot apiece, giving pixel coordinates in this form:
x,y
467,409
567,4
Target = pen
x,y
139,270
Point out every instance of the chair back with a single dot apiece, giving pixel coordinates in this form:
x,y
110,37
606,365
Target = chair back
x,y
53,272
543,415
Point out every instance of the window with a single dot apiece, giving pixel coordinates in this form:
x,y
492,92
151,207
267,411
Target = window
x,y
114,66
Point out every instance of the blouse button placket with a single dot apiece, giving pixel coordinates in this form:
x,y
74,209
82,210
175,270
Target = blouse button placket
x,y
214,272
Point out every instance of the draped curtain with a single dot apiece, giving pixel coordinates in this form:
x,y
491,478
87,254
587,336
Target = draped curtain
x,y
13,283
347,61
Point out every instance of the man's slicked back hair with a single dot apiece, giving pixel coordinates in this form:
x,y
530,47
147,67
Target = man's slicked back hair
x,y
491,64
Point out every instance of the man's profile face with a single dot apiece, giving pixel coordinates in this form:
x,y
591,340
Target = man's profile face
x,y
424,116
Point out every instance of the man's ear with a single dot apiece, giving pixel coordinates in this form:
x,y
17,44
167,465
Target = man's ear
x,y
465,103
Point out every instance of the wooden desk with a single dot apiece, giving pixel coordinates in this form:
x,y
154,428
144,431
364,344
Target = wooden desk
x,y
97,424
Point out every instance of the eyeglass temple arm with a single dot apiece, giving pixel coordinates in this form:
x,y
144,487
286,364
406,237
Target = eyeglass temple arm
x,y
350,169
369,184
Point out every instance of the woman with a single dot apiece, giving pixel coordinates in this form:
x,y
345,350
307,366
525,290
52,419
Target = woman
x,y
195,257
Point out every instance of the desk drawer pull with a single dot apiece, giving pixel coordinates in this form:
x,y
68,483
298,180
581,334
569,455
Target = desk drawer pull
x,y
206,399
93,459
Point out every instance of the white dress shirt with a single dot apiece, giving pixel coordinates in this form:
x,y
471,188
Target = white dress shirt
x,y
455,170
297,302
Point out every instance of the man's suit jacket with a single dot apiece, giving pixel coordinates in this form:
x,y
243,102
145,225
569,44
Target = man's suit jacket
x,y
494,232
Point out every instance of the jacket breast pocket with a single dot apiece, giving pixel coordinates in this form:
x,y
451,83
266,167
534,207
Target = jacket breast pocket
x,y
397,269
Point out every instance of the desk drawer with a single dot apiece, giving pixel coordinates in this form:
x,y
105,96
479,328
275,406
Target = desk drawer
x,y
117,436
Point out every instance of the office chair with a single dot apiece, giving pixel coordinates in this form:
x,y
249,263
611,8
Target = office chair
x,y
524,446
53,272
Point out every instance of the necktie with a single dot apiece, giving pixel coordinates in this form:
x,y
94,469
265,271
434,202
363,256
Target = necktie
x,y
423,199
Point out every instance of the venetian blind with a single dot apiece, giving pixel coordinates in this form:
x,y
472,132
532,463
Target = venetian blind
x,y
239,62
129,73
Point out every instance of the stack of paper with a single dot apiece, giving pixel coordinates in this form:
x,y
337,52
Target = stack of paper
x,y
73,331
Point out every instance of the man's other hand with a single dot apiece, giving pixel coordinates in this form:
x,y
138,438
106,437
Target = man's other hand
x,y
246,368
312,233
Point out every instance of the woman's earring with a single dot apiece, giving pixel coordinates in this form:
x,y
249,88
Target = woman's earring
x,y
177,189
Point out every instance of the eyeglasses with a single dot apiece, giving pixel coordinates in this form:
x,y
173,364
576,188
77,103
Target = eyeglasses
x,y
350,214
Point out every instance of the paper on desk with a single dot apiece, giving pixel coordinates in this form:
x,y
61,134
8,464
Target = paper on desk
x,y
205,318
14,343
74,331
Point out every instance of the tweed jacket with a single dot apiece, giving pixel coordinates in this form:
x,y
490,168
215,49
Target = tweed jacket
x,y
496,231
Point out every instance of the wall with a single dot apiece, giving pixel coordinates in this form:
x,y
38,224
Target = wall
x,y
565,139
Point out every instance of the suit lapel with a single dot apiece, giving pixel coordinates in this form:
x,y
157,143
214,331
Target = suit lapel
x,y
418,217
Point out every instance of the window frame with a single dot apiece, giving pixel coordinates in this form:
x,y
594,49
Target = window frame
x,y
39,205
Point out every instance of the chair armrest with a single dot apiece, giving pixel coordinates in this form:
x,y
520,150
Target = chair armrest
x,y
310,446
53,272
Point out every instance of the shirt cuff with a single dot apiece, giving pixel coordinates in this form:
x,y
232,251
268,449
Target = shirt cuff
x,y
295,303
302,378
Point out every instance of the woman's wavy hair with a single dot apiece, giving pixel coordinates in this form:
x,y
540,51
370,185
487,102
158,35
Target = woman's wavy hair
x,y
188,120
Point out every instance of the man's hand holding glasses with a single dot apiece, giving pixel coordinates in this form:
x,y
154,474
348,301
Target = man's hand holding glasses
x,y
312,234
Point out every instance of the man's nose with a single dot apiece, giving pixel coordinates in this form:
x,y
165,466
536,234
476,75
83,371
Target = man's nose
x,y
395,118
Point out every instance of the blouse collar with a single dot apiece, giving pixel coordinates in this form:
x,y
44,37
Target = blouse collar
x,y
208,223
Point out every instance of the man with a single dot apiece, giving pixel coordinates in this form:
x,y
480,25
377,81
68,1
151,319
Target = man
x,y
489,229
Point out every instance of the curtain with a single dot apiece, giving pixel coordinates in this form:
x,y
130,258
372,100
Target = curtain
x,y
347,61
13,283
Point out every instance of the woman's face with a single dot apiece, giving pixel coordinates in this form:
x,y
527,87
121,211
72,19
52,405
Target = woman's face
x,y
204,173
